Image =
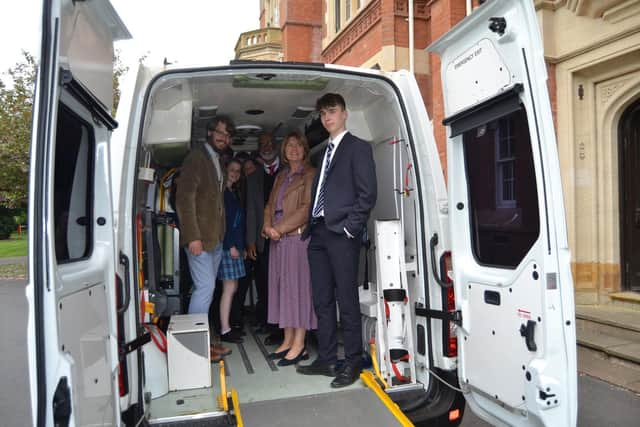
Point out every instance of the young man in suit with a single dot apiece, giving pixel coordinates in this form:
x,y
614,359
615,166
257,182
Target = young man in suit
x,y
200,207
344,193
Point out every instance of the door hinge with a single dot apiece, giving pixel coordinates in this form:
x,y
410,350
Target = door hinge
x,y
62,404
451,316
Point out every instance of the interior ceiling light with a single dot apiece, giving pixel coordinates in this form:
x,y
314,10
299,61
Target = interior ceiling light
x,y
302,112
245,130
207,110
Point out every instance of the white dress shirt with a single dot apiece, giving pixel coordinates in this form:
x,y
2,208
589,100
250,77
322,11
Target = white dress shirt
x,y
336,142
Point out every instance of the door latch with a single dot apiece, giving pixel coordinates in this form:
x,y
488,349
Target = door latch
x,y
528,333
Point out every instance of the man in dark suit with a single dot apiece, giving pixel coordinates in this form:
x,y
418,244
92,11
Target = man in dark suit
x,y
344,194
259,185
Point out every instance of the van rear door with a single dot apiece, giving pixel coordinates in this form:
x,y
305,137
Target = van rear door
x,y
511,263
73,355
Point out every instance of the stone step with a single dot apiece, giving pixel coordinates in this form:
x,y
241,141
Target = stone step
x,y
610,369
607,328
612,346
612,331
627,300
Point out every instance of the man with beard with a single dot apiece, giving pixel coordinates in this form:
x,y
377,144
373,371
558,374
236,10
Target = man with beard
x,y
200,208
259,186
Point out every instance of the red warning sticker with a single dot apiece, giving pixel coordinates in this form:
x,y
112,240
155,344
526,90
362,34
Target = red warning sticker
x,y
524,313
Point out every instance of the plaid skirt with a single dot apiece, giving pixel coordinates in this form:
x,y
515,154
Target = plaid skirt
x,y
231,268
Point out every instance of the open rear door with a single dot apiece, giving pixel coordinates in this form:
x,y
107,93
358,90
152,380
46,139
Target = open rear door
x,y
73,352
512,278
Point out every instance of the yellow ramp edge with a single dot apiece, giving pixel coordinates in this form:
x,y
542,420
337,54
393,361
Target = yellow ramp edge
x,y
370,381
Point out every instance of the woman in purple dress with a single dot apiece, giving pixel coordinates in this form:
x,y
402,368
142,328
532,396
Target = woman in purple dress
x,y
285,217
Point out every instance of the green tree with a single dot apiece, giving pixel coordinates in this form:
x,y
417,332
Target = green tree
x,y
16,103
119,70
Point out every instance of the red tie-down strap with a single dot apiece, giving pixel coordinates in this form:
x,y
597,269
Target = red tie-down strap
x,y
157,336
396,371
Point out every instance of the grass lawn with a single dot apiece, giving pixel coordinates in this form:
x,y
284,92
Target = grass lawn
x,y
14,247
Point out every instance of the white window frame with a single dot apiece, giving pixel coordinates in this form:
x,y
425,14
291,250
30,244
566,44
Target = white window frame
x,y
503,135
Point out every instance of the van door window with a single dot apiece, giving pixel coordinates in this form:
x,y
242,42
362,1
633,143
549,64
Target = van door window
x,y
73,181
503,203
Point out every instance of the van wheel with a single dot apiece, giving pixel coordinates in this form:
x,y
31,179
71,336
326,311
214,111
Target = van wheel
x,y
441,404
443,420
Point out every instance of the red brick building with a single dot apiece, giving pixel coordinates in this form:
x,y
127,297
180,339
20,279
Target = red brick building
x,y
591,48
360,33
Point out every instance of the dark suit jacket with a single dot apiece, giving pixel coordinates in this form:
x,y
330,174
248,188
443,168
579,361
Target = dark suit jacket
x,y
255,207
350,187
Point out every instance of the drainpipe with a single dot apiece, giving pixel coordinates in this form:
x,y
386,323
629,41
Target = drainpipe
x,y
469,7
411,35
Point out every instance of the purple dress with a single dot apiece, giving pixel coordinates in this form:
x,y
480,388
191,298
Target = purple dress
x,y
289,298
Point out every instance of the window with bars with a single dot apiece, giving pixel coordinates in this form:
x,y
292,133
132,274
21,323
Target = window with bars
x,y
505,164
502,189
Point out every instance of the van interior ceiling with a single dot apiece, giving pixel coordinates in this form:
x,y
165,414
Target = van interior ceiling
x,y
178,109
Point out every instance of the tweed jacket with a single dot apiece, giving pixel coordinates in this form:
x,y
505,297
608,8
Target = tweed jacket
x,y
200,201
296,202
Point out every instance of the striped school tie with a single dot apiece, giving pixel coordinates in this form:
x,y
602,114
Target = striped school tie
x,y
320,203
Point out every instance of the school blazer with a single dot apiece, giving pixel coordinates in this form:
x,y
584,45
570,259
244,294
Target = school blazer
x,y
350,188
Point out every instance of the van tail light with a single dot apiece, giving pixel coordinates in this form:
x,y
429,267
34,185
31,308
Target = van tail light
x,y
449,303
123,374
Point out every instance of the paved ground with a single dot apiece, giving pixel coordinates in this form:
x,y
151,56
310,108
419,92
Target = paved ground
x,y
600,403
15,260
14,394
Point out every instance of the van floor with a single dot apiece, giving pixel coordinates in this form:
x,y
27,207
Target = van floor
x,y
255,377
267,390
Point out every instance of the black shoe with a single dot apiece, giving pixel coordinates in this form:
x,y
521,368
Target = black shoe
x,y
278,355
303,355
239,331
231,337
346,377
261,329
274,338
318,368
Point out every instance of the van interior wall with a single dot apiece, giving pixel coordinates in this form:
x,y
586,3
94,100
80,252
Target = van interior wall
x,y
374,115
397,200
394,167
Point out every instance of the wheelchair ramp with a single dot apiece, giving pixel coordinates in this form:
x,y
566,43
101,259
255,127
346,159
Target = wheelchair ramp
x,y
357,407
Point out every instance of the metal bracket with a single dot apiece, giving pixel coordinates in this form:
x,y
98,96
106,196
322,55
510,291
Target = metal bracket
x,y
451,316
130,346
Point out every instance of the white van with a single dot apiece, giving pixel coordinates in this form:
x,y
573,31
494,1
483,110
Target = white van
x,y
466,294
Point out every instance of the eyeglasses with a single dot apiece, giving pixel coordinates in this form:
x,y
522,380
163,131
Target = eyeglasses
x,y
223,134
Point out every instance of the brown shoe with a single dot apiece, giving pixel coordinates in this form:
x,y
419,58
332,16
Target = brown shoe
x,y
214,357
220,350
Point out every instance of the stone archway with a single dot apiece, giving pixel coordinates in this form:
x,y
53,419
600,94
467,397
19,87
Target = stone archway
x,y
614,97
593,93
629,163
